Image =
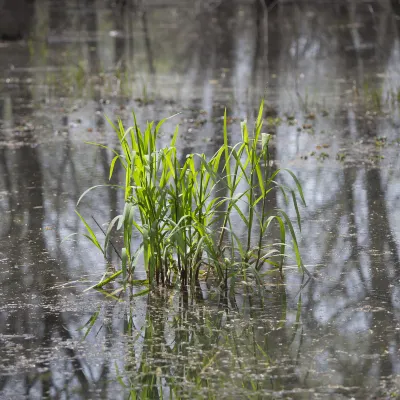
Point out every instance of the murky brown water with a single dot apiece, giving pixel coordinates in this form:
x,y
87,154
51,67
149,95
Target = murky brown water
x,y
330,77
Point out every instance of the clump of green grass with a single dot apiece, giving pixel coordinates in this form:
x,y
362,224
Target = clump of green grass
x,y
187,212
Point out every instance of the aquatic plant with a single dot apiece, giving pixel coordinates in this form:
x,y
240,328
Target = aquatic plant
x,y
186,213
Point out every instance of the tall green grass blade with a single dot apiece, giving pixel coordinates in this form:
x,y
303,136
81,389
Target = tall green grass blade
x,y
124,263
295,245
226,149
175,137
297,209
259,122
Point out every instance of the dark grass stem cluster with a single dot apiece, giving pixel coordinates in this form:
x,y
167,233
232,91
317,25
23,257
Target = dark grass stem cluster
x,y
187,213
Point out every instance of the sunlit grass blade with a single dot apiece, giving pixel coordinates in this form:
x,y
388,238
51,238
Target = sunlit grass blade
x,y
111,278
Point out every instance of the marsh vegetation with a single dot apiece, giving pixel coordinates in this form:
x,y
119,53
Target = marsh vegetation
x,y
189,214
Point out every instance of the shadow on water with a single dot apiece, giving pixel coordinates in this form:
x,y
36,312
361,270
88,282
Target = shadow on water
x,y
330,76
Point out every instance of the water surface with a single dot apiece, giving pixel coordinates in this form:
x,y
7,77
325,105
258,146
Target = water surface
x,y
329,75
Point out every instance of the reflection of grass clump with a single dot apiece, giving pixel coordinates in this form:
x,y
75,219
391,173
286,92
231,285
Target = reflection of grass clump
x,y
340,156
380,141
189,214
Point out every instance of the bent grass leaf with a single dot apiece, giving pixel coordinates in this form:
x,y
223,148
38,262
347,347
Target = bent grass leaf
x,y
94,187
92,237
298,185
104,147
104,282
67,237
112,165
89,324
108,232
141,293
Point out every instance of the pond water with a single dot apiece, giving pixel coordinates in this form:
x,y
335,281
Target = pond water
x,y
330,78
